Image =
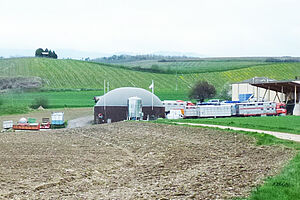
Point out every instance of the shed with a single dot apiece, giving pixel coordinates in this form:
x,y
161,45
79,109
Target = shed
x,y
241,91
113,106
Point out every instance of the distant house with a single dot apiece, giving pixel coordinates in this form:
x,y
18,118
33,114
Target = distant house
x,y
45,53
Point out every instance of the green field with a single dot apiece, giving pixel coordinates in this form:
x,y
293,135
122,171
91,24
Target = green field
x,y
80,75
194,66
62,74
18,102
288,124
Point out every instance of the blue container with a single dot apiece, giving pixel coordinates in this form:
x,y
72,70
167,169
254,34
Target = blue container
x,y
244,97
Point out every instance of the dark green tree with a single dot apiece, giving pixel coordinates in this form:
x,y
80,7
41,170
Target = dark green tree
x,y
50,54
54,55
202,90
38,52
47,53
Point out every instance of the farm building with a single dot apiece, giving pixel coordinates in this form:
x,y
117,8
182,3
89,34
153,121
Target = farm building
x,y
242,91
113,106
269,90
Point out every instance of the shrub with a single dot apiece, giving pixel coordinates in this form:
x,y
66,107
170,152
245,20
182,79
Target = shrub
x,y
40,101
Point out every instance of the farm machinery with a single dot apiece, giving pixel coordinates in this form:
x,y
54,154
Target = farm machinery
x,y
24,124
57,121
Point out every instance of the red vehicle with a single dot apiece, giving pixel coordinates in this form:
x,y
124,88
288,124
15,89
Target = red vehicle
x,y
281,109
45,123
35,127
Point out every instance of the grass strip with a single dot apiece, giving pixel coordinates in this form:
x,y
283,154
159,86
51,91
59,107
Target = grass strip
x,y
288,124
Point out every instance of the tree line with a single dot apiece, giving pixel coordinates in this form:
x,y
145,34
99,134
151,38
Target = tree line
x,y
129,58
45,53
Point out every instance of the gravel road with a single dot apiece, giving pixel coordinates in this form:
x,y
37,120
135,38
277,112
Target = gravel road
x,y
81,122
285,136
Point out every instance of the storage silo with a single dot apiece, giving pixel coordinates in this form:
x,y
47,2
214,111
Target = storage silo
x,y
135,108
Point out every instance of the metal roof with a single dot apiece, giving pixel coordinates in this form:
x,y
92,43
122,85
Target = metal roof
x,y
119,97
257,80
286,86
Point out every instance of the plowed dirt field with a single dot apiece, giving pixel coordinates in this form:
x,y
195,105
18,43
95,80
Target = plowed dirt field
x,y
131,160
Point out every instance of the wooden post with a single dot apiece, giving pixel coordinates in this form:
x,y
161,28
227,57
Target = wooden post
x,y
238,93
269,95
295,95
265,94
281,94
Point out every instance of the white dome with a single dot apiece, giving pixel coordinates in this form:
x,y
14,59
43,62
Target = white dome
x,y
119,97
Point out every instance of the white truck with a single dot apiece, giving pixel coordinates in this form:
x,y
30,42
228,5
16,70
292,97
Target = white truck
x,y
175,114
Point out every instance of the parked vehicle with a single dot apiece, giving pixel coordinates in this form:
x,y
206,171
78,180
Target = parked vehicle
x,y
45,123
235,109
191,112
256,109
175,104
281,109
175,114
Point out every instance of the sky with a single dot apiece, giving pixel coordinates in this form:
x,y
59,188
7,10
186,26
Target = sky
x,y
105,27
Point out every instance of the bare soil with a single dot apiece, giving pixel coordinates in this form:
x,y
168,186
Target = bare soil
x,y
131,160
7,83
81,122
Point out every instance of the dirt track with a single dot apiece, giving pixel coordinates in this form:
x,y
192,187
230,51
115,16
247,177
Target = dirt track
x,y
129,160
81,122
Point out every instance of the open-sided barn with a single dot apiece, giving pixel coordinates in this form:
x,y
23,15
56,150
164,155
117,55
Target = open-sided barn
x,y
113,106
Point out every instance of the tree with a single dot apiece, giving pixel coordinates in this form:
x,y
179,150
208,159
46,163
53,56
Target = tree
x,y
40,101
225,93
48,54
202,90
38,52
54,55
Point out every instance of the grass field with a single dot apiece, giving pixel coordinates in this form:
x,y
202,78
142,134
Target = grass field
x,y
285,185
62,74
194,66
74,74
14,103
289,124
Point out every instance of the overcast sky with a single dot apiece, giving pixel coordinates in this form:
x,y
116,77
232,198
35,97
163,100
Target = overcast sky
x,y
204,27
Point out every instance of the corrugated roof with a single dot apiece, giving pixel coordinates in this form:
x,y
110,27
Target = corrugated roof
x,y
119,97
257,80
285,86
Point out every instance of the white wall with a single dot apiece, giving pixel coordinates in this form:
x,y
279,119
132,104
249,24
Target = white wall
x,y
246,88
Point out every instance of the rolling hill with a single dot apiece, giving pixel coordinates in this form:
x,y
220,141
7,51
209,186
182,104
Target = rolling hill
x,y
62,74
58,76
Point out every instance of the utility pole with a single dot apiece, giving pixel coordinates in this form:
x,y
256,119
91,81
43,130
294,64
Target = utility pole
x,y
104,95
176,80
